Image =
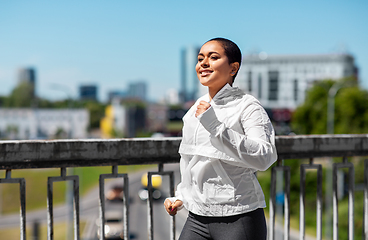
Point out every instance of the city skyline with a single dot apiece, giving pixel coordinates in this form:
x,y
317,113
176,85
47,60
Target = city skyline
x,y
112,44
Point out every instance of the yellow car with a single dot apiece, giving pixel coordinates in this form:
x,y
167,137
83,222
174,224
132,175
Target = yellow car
x,y
156,184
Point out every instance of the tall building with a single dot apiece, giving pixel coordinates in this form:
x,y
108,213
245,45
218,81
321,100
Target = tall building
x,y
117,94
28,75
138,90
188,75
88,92
281,81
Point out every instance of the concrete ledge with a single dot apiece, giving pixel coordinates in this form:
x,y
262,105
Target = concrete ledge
x,y
310,146
90,152
99,152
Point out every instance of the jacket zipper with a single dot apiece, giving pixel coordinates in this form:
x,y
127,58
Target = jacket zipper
x,y
195,134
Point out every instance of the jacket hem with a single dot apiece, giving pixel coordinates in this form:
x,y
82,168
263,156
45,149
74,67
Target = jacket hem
x,y
222,210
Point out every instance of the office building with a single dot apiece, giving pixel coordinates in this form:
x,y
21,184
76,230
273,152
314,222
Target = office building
x,y
281,81
138,90
116,94
188,75
28,75
88,92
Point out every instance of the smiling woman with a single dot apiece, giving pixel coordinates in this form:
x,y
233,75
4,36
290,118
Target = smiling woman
x,y
227,137
214,68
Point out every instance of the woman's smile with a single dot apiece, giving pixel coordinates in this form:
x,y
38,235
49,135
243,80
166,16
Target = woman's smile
x,y
205,73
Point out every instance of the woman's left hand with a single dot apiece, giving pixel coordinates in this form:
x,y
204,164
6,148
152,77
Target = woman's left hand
x,y
202,107
172,208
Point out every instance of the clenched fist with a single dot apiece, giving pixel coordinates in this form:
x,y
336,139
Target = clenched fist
x,y
172,208
202,107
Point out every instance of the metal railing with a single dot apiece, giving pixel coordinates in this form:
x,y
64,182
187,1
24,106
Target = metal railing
x,y
79,153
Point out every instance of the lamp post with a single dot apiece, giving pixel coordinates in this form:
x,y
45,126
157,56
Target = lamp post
x,y
330,130
331,106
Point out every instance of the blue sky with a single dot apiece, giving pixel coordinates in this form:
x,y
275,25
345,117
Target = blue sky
x,y
111,43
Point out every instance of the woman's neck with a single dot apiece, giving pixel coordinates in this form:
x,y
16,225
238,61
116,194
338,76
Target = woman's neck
x,y
213,91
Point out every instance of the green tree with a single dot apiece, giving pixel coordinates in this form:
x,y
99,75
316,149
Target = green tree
x,y
21,96
351,109
96,112
3,99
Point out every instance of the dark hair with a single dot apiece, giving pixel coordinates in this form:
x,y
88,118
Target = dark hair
x,y
232,51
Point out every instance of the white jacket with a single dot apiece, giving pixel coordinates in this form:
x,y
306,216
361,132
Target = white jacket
x,y
220,152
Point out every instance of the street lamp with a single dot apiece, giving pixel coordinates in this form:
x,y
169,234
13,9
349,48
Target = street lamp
x,y
331,106
68,93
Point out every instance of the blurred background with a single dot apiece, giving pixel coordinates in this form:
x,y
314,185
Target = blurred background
x,y
111,69
124,69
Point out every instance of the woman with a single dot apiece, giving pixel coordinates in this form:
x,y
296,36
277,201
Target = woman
x,y
227,137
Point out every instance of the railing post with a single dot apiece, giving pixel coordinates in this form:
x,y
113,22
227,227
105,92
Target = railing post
x,y
303,168
22,191
287,203
50,215
286,171
350,166
365,217
150,200
272,204
149,207
114,174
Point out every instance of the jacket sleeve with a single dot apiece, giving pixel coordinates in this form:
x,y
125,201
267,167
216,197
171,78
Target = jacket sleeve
x,y
255,148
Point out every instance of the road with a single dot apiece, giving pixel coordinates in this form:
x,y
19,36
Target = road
x,y
138,210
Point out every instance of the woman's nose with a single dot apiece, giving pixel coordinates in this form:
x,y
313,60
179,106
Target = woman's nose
x,y
204,62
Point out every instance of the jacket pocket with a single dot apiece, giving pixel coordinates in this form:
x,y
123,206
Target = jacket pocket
x,y
220,189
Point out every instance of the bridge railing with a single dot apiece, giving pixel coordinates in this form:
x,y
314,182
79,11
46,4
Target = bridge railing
x,y
65,154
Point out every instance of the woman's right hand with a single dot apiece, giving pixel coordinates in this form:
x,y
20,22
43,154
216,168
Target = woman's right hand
x,y
172,208
202,107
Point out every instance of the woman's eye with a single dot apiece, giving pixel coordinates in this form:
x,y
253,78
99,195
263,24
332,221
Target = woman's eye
x,y
214,57
200,59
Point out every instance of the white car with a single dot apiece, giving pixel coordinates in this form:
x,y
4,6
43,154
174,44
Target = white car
x,y
114,225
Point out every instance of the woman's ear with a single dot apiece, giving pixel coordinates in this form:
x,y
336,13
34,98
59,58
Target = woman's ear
x,y
234,68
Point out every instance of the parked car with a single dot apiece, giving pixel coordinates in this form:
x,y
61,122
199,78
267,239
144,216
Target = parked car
x,y
114,228
156,184
116,193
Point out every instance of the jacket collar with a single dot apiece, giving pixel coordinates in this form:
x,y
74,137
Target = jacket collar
x,y
227,94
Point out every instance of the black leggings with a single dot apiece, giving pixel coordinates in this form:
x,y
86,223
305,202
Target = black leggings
x,y
246,226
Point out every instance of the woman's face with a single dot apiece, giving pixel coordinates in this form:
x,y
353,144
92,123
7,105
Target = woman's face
x,y
213,68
